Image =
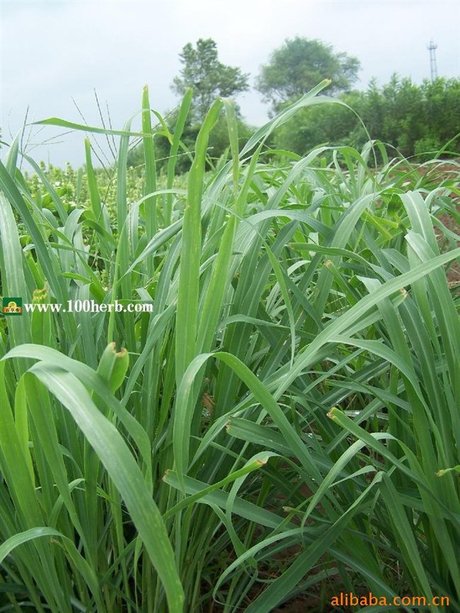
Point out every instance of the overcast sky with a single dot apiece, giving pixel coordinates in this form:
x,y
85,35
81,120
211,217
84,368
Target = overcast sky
x,y
55,52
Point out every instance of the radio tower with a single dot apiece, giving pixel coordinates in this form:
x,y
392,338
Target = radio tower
x,y
433,66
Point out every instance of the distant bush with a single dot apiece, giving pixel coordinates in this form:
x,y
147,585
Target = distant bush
x,y
413,118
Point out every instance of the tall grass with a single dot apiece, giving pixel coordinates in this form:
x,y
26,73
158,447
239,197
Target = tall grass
x,y
286,419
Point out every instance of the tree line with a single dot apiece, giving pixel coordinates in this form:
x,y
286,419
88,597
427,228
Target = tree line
x,y
416,120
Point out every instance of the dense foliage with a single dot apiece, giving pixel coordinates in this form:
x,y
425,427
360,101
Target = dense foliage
x,y
207,77
299,65
415,119
285,421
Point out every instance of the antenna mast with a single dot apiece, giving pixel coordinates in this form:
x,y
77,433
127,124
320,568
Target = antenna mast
x,y
433,66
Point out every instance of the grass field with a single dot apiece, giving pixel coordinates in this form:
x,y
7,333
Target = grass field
x,y
284,424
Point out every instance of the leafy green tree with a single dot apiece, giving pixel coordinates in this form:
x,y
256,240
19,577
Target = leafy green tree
x,y
415,119
442,111
330,124
403,114
299,65
207,76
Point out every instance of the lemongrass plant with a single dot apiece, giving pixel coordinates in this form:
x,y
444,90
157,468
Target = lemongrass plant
x,y
284,421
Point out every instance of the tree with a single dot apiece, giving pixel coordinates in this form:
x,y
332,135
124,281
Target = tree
x,y
207,76
442,109
415,119
299,65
